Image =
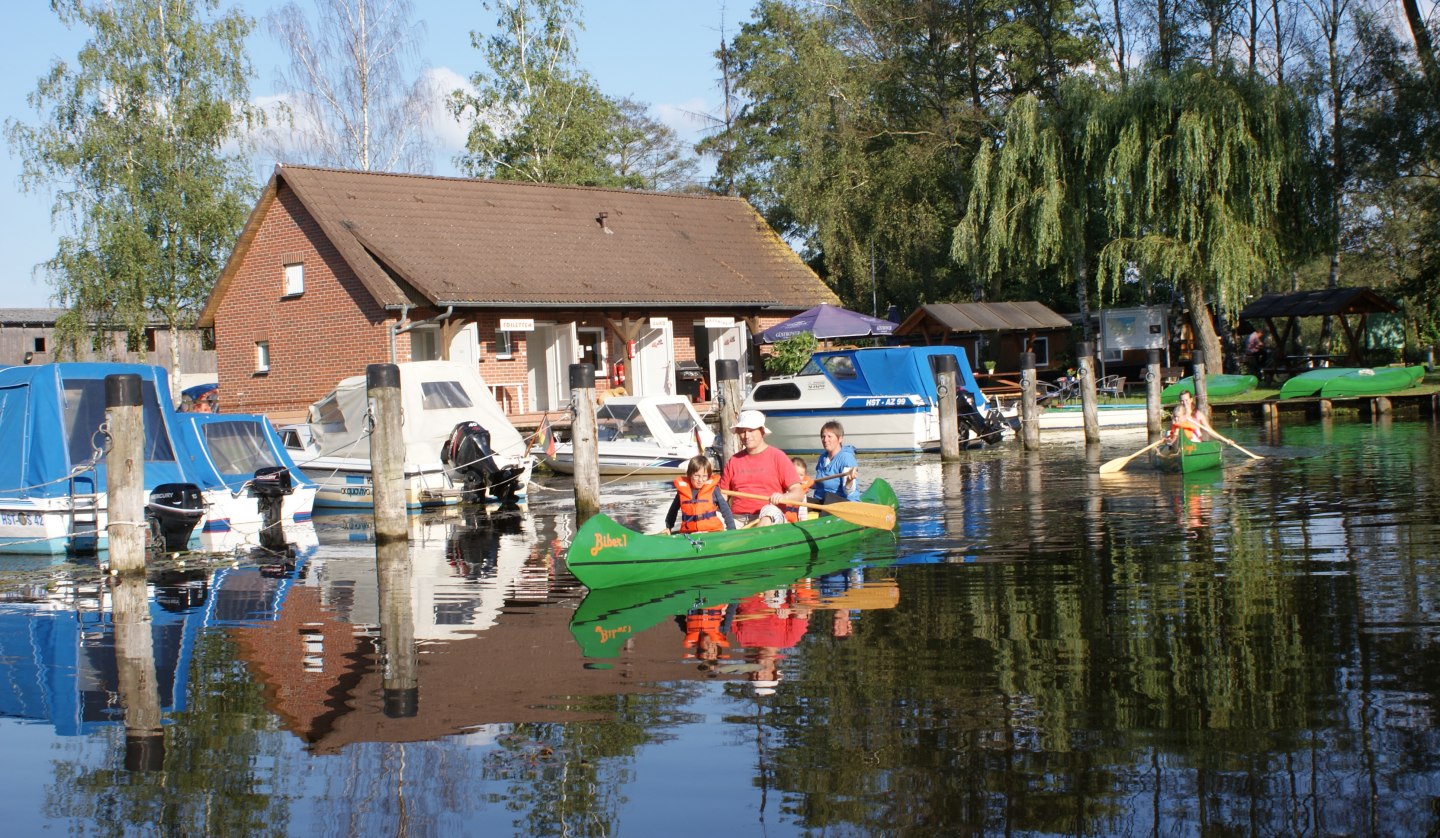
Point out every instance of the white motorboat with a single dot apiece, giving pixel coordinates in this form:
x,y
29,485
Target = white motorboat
x,y
458,442
1070,417
641,436
885,397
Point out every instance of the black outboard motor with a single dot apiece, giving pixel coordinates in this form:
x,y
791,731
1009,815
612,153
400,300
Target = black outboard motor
x,y
987,429
173,511
270,486
469,453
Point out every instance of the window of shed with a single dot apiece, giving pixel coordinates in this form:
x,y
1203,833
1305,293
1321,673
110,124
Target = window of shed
x,y
39,344
262,356
294,279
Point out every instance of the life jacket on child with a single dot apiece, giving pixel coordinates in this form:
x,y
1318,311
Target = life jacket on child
x,y
705,623
1190,427
793,513
698,512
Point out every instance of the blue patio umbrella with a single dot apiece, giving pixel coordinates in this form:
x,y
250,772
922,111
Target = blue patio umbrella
x,y
826,322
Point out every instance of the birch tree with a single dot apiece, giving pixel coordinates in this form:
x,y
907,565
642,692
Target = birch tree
x,y
356,94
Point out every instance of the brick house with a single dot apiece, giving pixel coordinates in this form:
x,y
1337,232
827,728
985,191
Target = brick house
x,y
338,269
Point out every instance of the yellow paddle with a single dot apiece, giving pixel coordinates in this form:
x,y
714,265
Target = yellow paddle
x,y
1120,462
874,515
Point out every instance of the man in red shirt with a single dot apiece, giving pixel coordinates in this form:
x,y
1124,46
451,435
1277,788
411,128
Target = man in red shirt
x,y
759,469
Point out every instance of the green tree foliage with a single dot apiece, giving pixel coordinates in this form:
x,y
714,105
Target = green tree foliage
x,y
790,355
1195,163
648,153
132,141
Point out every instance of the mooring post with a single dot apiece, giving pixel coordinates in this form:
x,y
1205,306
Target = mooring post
x,y
1029,414
584,441
1089,413
387,453
137,686
1202,396
946,377
126,527
1152,393
399,658
727,372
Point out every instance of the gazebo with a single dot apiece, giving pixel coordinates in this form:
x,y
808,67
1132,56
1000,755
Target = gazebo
x,y
1351,306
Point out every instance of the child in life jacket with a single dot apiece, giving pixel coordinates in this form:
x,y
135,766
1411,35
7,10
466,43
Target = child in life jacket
x,y
698,504
802,472
1188,419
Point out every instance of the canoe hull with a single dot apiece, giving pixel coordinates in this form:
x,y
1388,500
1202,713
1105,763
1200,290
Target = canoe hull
x,y
1309,383
1217,386
1189,457
605,554
1372,382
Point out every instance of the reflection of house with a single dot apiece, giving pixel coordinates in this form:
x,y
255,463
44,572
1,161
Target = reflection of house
x,y
27,336
997,332
339,269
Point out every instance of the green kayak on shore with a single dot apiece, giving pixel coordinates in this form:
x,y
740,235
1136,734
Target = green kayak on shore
x,y
1217,386
605,554
1372,382
1186,457
1308,383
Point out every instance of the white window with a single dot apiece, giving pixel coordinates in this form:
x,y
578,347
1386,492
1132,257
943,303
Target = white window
x,y
503,349
262,356
425,344
1041,348
294,279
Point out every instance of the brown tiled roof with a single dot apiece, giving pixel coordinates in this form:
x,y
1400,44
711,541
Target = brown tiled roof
x,y
985,317
1318,303
464,242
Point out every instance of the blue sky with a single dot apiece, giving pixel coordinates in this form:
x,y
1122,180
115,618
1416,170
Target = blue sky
x,y
655,51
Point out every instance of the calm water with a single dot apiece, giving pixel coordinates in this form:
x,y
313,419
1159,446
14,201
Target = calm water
x,y
1041,651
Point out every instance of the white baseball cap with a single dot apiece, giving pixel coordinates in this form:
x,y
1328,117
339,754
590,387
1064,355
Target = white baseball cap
x,y
751,419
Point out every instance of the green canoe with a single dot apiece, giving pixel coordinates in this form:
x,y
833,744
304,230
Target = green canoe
x,y
609,617
1217,386
1308,383
1189,457
605,554
1372,382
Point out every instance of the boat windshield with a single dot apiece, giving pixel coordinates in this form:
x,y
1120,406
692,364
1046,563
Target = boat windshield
x,y
239,447
620,421
839,367
443,395
85,412
678,416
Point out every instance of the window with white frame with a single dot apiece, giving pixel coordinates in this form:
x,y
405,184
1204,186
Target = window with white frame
x,y
425,343
262,356
1041,348
503,349
294,279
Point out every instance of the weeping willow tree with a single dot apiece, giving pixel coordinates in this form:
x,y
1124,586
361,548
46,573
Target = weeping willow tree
x,y
1034,197
1195,163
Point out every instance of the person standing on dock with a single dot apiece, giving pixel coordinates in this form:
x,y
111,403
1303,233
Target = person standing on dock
x,y
759,469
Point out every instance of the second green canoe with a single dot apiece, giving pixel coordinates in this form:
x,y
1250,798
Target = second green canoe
x,y
1217,386
1372,382
1308,383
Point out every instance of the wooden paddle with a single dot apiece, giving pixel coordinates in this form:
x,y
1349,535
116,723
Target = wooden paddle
x,y
1237,445
875,515
1120,462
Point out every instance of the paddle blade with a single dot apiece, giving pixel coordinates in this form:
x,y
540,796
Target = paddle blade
x,y
1116,464
874,515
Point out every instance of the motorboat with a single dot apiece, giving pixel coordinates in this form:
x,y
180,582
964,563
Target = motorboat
x,y
53,426
254,482
885,397
458,442
642,436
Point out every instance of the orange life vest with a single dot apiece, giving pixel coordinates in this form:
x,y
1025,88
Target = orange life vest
x,y
1190,427
793,513
698,512
705,622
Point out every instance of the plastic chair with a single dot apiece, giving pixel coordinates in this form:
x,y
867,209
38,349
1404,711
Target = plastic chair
x,y
1112,386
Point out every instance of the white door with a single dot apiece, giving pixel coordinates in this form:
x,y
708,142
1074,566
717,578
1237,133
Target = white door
x,y
465,346
551,350
733,343
654,363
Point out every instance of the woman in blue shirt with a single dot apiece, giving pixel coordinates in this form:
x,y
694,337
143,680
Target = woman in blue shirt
x,y
831,469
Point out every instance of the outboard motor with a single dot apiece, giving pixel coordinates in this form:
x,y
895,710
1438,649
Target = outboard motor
x,y
174,509
270,486
469,453
987,429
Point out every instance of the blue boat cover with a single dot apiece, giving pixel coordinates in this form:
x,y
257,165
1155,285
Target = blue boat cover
x,y
224,450
49,418
895,371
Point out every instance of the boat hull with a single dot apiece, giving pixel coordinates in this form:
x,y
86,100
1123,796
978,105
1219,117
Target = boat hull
x,y
605,554
893,429
1187,457
612,465
1372,382
1072,417
1217,386
1309,383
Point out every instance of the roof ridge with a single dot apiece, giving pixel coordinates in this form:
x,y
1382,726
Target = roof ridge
x,y
500,181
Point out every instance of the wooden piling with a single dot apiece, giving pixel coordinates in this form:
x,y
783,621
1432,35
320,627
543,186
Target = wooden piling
x,y
1152,393
584,441
727,373
387,453
137,687
1202,395
1381,406
1029,414
946,379
399,670
126,527
1089,412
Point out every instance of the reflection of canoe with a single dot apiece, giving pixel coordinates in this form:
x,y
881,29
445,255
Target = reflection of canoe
x,y
1217,386
1189,457
1372,382
1309,383
608,617
604,554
